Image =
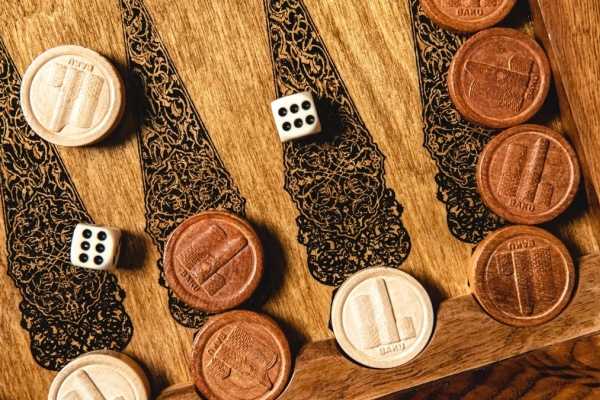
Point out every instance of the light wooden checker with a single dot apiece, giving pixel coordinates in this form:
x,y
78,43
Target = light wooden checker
x,y
72,96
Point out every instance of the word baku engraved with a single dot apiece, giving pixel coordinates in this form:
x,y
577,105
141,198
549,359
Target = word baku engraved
x,y
502,87
377,325
79,91
521,177
531,270
208,255
238,351
86,389
471,8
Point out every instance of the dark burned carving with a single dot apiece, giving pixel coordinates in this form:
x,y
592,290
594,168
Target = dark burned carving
x,y
453,143
66,310
182,171
349,219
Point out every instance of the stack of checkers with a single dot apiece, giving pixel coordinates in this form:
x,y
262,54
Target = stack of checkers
x,y
527,174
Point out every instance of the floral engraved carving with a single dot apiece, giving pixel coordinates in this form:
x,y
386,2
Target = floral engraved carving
x,y
182,171
348,218
67,310
453,143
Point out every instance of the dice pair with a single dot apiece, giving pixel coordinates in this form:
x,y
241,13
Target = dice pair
x,y
296,116
95,247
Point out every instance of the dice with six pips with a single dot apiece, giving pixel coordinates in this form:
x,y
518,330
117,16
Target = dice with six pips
x,y
95,247
296,116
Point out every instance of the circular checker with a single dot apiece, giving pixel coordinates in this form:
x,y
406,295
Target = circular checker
x,y
467,15
528,174
72,96
522,275
382,317
240,355
100,375
499,78
213,261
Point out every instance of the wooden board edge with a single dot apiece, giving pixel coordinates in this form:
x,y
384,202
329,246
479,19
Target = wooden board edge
x,y
465,338
591,182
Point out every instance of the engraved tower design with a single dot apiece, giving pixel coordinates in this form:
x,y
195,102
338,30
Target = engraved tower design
x,y
521,176
374,314
79,90
211,251
499,86
242,352
526,270
86,389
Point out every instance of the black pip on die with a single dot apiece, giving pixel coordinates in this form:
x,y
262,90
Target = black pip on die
x,y
296,116
95,247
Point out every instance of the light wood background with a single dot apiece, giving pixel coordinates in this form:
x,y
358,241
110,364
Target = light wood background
x,y
221,52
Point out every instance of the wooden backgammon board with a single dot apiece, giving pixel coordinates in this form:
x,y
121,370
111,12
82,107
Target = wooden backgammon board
x,y
390,182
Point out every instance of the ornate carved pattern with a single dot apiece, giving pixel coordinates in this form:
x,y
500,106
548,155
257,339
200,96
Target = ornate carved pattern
x,y
453,143
348,218
66,310
182,171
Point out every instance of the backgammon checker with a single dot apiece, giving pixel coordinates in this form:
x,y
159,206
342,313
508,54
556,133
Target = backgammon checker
x,y
72,96
240,355
382,317
499,78
528,174
522,275
467,15
213,261
100,375
296,116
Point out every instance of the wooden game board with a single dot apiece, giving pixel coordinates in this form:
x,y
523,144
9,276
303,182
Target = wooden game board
x,y
391,182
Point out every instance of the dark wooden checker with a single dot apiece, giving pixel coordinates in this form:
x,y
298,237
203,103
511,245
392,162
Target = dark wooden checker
x,y
389,183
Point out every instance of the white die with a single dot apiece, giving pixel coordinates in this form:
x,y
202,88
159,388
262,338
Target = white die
x,y
296,116
95,247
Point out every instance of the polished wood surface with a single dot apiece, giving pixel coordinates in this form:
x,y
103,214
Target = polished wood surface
x,y
569,38
562,372
223,59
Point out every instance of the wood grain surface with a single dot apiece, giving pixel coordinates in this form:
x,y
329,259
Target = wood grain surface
x,y
221,75
568,36
562,372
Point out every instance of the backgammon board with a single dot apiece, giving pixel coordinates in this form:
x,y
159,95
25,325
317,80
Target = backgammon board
x,y
390,182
